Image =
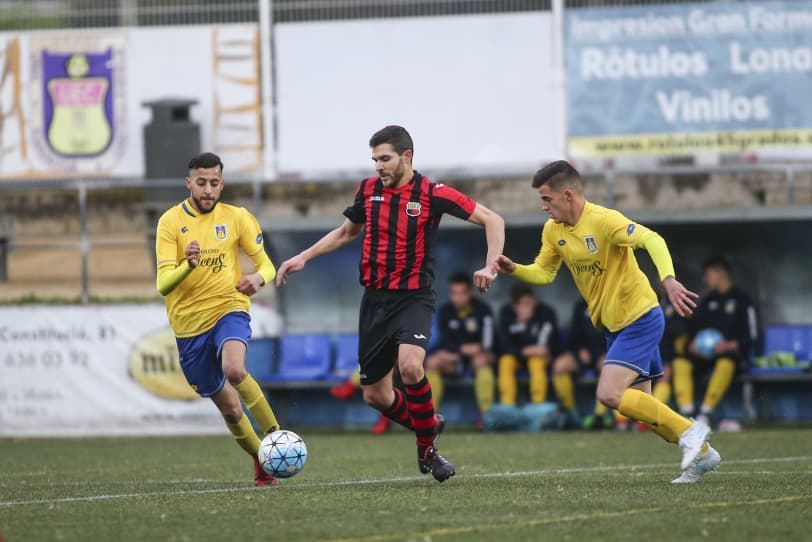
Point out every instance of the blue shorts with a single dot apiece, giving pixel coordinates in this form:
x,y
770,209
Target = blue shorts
x,y
637,346
200,355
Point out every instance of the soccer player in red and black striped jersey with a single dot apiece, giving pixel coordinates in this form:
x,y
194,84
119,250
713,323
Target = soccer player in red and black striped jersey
x,y
399,211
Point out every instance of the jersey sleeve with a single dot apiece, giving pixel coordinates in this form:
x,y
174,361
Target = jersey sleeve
x,y
748,330
487,327
356,212
624,232
545,267
506,343
445,199
253,244
444,340
166,243
578,333
554,337
251,239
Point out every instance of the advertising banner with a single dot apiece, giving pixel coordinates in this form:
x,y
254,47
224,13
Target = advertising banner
x,y
673,79
107,370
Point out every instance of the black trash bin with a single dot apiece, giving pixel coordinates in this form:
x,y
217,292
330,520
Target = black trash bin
x,y
171,139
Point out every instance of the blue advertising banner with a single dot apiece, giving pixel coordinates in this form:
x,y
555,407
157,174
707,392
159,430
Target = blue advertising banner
x,y
687,78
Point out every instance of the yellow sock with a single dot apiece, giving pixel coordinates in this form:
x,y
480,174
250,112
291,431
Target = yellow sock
x,y
437,387
257,404
644,407
565,390
662,391
508,388
244,435
483,388
600,408
719,382
537,367
356,378
684,384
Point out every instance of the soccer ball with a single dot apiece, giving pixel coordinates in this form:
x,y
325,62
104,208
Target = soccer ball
x,y
282,454
706,340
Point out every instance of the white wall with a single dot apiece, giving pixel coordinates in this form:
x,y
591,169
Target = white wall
x,y
475,91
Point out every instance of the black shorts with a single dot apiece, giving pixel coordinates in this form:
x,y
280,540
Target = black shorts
x,y
387,320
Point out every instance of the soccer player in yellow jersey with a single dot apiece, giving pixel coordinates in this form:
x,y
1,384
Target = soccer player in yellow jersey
x,y
207,299
597,245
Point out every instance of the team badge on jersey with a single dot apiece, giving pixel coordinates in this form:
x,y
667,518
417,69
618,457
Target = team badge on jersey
x,y
220,232
471,325
561,242
413,208
730,306
591,245
184,229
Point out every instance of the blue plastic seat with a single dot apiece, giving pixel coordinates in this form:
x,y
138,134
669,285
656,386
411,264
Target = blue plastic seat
x,y
261,357
789,338
303,357
346,360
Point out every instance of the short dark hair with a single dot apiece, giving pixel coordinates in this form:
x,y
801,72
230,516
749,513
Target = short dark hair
x,y
460,277
556,175
205,160
520,290
717,262
397,136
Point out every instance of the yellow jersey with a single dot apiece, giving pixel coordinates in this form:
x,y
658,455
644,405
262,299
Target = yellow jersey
x,y
209,291
599,252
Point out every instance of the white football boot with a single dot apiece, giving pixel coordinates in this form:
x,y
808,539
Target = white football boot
x,y
701,465
691,441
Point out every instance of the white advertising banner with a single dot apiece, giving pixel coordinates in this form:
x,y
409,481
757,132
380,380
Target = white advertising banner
x,y
73,100
476,92
105,370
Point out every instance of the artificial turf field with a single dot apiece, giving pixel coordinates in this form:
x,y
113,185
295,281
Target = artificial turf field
x,y
509,487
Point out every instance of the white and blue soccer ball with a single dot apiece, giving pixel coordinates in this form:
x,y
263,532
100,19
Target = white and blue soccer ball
x,y
282,453
706,341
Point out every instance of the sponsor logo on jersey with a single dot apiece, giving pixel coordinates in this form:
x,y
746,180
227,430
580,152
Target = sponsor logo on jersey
x,y
591,245
561,242
220,232
259,238
376,198
154,364
630,229
593,268
413,208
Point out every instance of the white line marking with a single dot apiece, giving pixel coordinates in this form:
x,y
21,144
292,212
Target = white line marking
x,y
340,483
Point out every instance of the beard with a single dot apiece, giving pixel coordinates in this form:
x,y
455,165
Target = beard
x,y
203,205
396,177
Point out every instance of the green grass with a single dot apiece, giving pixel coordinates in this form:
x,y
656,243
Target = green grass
x,y
565,486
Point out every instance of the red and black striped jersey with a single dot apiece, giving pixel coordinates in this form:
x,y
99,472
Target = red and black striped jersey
x,y
400,227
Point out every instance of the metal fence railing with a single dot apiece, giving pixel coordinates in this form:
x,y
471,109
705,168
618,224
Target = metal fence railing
x,y
97,236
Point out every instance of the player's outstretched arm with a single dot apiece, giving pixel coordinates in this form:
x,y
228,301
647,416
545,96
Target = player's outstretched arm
x,y
495,237
335,239
504,265
682,299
